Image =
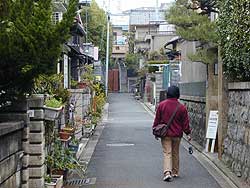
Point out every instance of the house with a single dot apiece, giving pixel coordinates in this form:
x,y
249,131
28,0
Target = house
x,y
144,22
120,47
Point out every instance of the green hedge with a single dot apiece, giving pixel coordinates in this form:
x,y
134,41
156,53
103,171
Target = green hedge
x,y
234,31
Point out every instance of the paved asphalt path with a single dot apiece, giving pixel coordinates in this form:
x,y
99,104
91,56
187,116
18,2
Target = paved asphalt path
x,y
128,156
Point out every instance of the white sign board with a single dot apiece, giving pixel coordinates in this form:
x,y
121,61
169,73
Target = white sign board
x,y
96,52
212,125
65,71
31,113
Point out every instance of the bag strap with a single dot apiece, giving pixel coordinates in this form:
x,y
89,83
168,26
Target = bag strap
x,y
172,117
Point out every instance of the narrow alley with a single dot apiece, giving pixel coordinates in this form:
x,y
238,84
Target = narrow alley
x,y
128,156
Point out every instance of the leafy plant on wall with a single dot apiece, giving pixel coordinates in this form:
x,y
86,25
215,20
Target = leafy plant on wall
x,y
234,32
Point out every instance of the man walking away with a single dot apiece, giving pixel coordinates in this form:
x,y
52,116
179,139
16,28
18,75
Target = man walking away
x,y
180,123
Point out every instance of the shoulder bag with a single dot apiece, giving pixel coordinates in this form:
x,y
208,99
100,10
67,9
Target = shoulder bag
x,y
161,129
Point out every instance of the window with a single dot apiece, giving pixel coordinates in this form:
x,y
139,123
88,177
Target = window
x,y
57,17
215,68
117,48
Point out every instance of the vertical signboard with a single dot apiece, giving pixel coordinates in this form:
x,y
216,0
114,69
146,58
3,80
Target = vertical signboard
x,y
96,53
66,71
212,125
212,130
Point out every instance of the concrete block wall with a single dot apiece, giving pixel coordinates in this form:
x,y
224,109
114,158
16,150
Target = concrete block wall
x,y
37,142
18,112
81,98
236,154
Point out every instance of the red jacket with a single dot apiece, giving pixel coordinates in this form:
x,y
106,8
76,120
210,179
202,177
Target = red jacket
x,y
180,122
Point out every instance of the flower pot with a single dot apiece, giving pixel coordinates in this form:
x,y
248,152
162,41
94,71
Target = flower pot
x,y
57,172
82,85
64,135
73,147
52,184
70,130
51,114
57,182
60,172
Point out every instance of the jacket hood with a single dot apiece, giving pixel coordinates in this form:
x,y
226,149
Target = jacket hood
x,y
173,92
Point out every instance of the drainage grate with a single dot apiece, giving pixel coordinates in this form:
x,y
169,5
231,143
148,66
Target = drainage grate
x,y
87,181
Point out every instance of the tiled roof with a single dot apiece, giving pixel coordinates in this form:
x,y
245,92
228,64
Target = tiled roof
x,y
58,7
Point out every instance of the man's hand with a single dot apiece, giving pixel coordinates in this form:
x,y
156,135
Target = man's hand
x,y
189,138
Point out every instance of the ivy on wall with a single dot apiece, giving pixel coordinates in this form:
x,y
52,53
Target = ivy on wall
x,y
234,33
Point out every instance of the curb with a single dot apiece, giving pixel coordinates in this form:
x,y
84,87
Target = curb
x,y
231,179
92,141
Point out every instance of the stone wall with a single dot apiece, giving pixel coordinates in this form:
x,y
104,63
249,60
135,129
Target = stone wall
x,y
236,152
196,107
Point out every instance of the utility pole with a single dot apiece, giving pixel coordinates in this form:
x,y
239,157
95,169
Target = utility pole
x,y
86,23
107,56
156,11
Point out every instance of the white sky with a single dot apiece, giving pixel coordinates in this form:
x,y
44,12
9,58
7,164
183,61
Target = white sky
x,y
117,6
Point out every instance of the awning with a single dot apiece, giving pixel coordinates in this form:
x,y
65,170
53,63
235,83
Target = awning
x,y
80,55
173,40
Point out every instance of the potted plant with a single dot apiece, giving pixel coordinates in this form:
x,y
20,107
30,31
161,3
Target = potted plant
x,y
52,108
59,160
88,129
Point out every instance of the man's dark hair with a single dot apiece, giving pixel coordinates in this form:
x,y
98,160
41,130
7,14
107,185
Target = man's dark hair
x,y
173,92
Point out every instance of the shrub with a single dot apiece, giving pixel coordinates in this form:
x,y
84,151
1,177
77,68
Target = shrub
x,y
233,27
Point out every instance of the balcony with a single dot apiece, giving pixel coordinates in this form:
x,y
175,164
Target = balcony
x,y
148,36
120,49
85,2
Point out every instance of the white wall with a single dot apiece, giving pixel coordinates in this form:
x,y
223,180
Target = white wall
x,y
191,71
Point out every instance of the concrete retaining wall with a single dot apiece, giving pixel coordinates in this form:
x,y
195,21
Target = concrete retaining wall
x,y
11,157
22,150
237,142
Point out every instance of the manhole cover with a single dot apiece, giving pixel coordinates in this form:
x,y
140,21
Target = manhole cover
x,y
119,144
87,181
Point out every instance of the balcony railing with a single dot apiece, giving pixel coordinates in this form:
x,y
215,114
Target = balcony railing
x,y
85,48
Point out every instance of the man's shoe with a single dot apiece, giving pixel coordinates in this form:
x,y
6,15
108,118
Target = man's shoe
x,y
167,177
